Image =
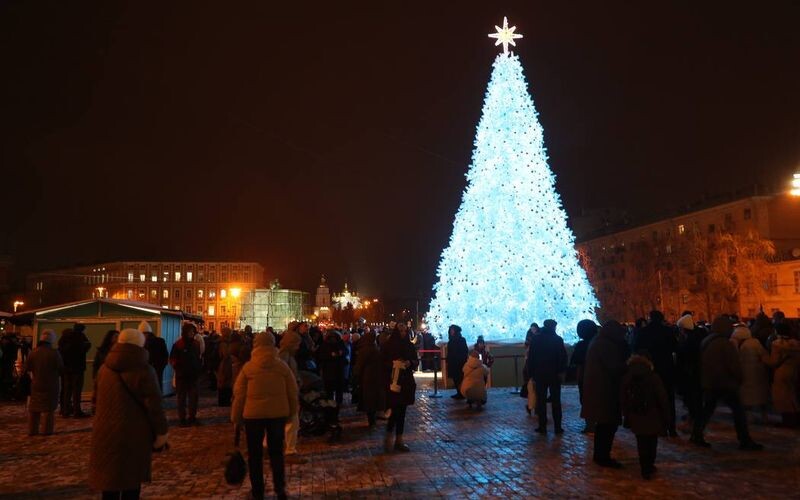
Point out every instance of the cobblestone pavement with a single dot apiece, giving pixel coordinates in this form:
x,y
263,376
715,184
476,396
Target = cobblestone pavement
x,y
457,453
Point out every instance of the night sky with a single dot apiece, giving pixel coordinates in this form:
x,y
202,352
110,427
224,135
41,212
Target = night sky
x,y
335,138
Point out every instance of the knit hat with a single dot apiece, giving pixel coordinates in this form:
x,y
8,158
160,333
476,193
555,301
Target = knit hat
x,y
131,336
686,322
145,327
263,339
48,336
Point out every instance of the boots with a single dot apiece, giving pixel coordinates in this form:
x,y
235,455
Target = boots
x,y
542,429
399,445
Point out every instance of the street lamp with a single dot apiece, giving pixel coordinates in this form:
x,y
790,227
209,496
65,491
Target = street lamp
x,y
18,303
795,185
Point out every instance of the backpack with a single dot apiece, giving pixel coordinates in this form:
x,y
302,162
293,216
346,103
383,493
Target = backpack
x,y
636,400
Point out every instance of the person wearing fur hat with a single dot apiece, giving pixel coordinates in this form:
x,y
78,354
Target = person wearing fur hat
x,y
185,360
44,365
754,392
785,360
474,385
156,348
645,408
130,422
605,367
721,377
265,395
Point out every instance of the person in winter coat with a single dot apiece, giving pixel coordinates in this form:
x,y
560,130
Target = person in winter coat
x,y
369,375
264,397
474,385
44,365
457,353
605,366
230,352
483,353
689,356
99,357
185,360
156,348
587,329
331,356
721,377
399,362
785,361
290,344
73,346
661,342
130,423
754,392
547,361
645,408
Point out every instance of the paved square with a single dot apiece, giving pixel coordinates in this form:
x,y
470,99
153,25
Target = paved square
x,y
457,453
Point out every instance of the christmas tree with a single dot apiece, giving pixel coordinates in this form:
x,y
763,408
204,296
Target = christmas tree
x,y
511,258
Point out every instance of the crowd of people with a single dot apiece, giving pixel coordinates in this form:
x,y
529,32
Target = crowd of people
x,y
626,375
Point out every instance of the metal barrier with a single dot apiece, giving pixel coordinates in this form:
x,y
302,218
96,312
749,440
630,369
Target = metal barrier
x,y
435,372
516,370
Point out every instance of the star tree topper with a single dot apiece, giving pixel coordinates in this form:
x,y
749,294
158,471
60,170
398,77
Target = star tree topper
x,y
505,35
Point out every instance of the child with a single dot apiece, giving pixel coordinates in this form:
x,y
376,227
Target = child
x,y
474,385
645,408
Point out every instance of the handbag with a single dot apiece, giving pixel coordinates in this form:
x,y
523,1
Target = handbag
x,y
531,395
235,466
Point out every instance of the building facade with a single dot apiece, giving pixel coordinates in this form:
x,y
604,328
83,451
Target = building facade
x,y
211,289
658,265
322,301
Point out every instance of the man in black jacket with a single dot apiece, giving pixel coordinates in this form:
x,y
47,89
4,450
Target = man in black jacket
x,y
156,348
457,354
547,361
73,346
661,343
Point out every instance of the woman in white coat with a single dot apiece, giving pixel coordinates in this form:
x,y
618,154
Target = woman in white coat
x,y
474,385
754,391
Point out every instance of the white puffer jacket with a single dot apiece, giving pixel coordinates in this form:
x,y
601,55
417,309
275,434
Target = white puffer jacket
x,y
474,386
265,388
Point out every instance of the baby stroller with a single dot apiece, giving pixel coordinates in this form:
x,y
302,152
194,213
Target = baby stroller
x,y
315,406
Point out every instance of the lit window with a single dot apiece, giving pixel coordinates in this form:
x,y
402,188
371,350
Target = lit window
x,y
177,276
211,309
212,294
177,306
165,276
154,277
188,276
130,277
669,249
130,293
141,294
223,293
165,293
153,294
681,229
142,278
199,293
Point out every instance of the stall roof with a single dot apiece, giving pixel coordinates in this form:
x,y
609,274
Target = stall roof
x,y
5,314
139,307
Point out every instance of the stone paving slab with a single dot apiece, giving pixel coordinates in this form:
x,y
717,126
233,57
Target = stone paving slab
x,y
457,453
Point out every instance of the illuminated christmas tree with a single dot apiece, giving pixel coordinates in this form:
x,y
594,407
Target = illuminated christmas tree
x,y
511,258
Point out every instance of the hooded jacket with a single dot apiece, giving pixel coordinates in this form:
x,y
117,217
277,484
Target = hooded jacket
x,y
45,364
265,388
755,377
785,359
474,385
127,420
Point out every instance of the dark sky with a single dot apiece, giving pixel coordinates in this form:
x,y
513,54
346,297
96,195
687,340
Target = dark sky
x,y
335,138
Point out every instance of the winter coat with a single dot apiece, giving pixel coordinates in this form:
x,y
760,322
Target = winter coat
x,y
661,343
457,353
156,347
369,373
605,366
290,343
185,359
755,377
73,346
230,360
45,366
99,357
643,399
785,359
578,359
265,388
398,348
332,359
547,356
126,422
474,385
720,367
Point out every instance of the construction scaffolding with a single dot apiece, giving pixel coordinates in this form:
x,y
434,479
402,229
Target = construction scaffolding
x,y
273,307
